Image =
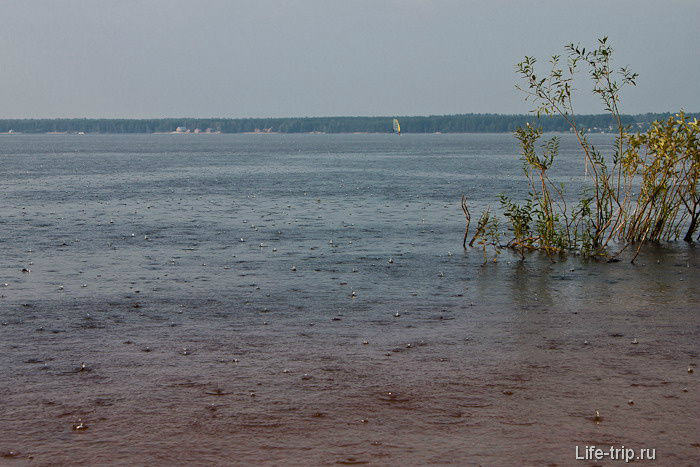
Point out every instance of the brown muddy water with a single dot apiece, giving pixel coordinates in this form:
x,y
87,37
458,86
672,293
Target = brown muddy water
x,y
305,300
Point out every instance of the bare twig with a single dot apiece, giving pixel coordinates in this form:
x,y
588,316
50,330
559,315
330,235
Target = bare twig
x,y
468,219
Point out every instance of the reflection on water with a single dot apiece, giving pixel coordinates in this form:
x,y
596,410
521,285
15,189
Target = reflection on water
x,y
305,299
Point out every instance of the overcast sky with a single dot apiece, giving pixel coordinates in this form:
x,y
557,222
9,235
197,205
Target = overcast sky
x,y
274,58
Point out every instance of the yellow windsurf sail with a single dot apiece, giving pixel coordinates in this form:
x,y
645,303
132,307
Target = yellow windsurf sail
x,y
397,127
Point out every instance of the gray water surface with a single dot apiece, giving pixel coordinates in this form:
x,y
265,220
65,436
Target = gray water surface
x,y
305,299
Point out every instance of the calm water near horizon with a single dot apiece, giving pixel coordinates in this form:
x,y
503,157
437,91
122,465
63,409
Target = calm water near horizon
x,y
305,299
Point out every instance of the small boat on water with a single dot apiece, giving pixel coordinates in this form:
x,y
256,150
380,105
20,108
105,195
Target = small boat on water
x,y
397,127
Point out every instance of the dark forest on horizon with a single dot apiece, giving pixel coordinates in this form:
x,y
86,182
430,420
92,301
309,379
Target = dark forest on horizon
x,y
464,123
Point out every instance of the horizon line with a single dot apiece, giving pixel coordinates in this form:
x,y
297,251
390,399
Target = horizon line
x,y
528,114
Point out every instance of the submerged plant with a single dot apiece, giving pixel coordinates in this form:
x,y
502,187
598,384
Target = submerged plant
x,y
648,190
667,158
487,234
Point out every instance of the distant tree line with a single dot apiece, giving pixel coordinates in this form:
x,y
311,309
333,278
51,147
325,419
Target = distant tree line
x,y
464,123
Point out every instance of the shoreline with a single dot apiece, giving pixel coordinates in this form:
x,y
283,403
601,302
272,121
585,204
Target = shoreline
x,y
280,133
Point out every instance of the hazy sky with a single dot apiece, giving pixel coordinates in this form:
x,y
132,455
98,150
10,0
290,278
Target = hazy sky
x,y
260,58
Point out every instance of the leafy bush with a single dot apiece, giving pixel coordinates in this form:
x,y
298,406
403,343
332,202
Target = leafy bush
x,y
648,190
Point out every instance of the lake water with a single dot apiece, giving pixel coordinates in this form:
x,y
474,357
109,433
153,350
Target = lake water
x,y
305,299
